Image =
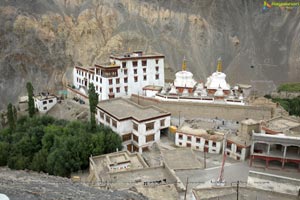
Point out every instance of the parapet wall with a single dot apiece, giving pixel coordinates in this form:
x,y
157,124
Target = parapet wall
x,y
272,182
207,110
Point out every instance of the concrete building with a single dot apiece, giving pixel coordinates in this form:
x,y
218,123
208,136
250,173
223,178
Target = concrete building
x,y
193,134
124,170
44,102
277,145
138,126
125,74
238,146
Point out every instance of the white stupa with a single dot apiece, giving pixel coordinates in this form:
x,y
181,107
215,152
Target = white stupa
x,y
217,79
219,92
184,79
173,90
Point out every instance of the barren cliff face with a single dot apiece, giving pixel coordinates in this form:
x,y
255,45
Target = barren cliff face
x,y
41,40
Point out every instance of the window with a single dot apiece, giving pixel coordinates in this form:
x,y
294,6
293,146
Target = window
x,y
135,138
126,137
145,77
96,87
188,144
126,88
111,90
144,62
123,64
144,70
110,81
156,61
198,140
100,80
117,81
107,119
101,115
114,123
180,136
45,108
228,145
134,63
189,138
135,79
162,122
150,138
135,127
96,78
135,71
125,71
180,143
157,68
100,89
214,144
125,80
118,89
51,101
206,142
150,126
44,102
156,76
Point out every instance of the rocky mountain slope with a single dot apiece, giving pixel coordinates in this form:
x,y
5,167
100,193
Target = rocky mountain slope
x,y
41,40
31,185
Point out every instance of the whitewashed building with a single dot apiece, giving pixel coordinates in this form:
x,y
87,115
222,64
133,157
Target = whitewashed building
x,y
44,102
125,74
138,126
188,135
238,146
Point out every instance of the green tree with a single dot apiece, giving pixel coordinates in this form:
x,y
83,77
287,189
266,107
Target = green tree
x,y
10,117
93,99
39,161
31,108
4,153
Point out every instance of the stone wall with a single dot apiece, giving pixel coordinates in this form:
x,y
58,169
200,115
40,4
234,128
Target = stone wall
x,y
206,110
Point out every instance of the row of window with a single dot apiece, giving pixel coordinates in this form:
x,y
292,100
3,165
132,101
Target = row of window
x,y
50,101
198,140
149,126
131,136
135,63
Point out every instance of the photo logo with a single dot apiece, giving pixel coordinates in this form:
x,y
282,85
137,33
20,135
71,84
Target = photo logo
x,y
266,6
282,5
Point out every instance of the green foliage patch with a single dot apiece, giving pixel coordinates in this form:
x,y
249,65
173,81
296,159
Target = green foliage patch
x,y
57,147
289,87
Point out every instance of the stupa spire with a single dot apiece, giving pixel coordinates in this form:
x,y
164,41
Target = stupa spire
x,y
183,67
219,65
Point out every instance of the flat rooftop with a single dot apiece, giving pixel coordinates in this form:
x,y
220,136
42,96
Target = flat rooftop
x,y
159,192
136,55
44,97
181,158
239,140
103,161
199,128
282,124
245,193
128,179
124,109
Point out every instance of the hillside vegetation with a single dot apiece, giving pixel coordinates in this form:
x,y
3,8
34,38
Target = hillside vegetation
x,y
289,87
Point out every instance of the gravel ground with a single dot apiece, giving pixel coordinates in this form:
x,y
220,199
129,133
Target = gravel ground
x,y
32,186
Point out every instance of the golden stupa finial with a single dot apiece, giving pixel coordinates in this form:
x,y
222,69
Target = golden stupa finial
x,y
183,67
219,65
